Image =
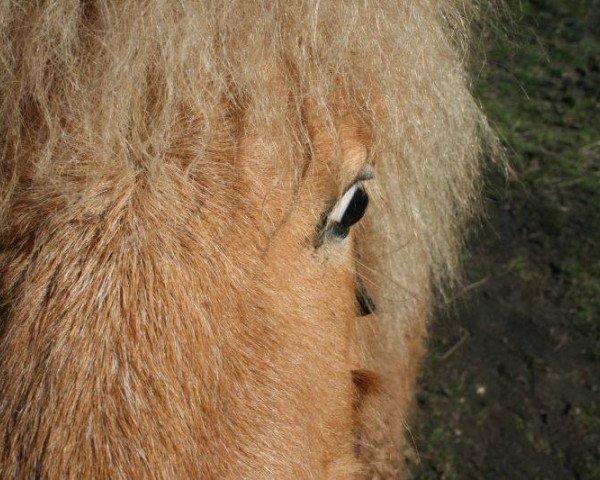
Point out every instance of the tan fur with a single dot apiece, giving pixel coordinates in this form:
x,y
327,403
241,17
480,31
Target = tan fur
x,y
165,167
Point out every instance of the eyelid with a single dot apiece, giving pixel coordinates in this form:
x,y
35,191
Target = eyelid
x,y
366,173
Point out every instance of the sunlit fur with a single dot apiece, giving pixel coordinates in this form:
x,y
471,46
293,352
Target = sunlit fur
x,y
165,166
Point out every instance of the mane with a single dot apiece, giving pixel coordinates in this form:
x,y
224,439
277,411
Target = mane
x,y
76,83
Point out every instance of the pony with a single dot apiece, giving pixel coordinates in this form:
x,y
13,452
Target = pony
x,y
191,283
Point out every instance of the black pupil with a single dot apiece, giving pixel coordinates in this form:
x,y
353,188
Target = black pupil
x,y
356,208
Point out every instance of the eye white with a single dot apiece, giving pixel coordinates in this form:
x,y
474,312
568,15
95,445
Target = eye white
x,y
339,209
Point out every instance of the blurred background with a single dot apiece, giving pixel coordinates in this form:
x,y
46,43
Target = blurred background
x,y
511,386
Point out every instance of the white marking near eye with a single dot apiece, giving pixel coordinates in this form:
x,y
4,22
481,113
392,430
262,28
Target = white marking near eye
x,y
337,213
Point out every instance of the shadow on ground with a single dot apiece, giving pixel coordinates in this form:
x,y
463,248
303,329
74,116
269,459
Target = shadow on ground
x,y
511,385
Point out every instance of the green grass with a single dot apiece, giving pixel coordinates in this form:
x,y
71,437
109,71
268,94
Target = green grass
x,y
541,91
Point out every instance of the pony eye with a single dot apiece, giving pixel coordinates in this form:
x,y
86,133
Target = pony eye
x,y
348,210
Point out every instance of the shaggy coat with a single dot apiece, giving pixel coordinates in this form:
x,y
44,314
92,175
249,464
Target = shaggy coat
x,y
172,302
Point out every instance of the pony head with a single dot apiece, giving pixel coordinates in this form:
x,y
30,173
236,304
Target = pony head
x,y
191,283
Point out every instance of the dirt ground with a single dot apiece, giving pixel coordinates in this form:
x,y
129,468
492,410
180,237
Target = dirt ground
x,y
510,388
